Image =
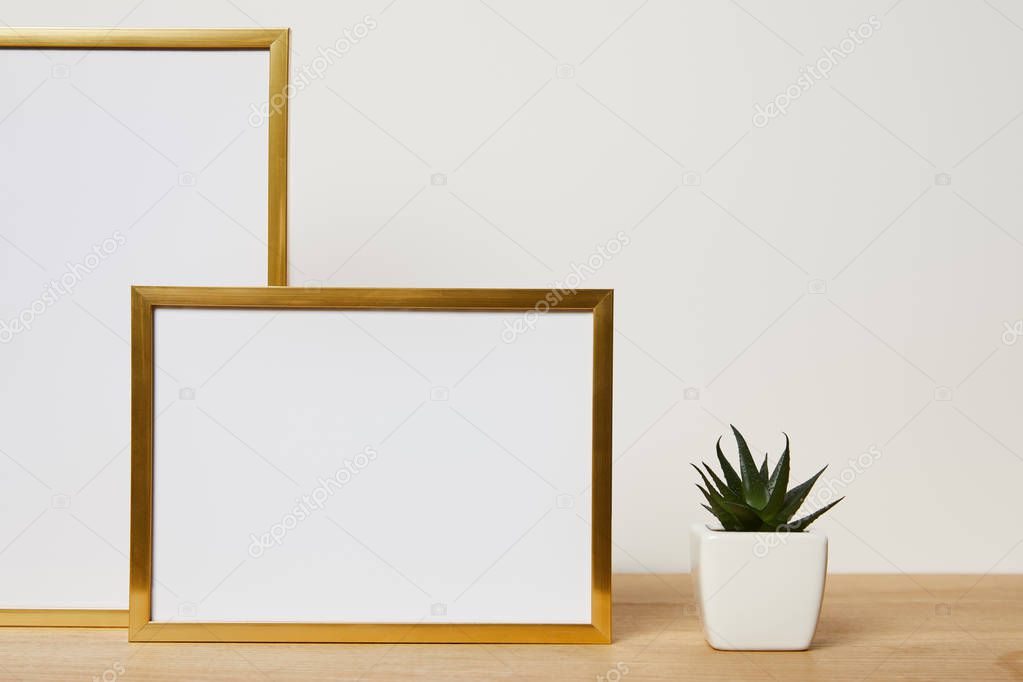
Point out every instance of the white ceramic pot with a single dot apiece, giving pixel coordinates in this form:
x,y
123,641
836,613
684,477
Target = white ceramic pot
x,y
758,591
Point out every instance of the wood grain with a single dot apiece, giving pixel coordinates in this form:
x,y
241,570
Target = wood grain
x,y
931,628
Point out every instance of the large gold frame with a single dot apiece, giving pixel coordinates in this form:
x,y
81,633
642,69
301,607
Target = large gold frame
x,y
145,300
275,40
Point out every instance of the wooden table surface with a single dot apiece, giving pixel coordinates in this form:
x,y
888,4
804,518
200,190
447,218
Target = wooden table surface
x,y
873,627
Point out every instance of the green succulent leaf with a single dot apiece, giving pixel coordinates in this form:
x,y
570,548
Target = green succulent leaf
x,y
800,525
725,491
716,502
710,487
794,498
777,485
728,521
764,472
734,482
754,488
745,514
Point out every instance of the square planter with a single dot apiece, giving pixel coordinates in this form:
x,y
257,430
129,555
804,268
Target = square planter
x,y
758,591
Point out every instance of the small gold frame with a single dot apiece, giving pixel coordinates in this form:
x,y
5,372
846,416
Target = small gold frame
x,y
145,300
276,41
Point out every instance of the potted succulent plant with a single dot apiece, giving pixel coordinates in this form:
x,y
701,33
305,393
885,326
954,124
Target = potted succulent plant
x,y
759,575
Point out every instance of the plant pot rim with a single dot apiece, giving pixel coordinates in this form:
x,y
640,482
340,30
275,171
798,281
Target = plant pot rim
x,y
701,527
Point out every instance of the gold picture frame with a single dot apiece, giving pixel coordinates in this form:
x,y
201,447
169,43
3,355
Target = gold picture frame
x,y
146,300
273,40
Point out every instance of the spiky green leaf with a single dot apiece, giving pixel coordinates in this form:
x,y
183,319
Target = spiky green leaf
x,y
744,514
794,498
723,488
764,473
777,485
754,488
801,524
727,519
734,482
707,483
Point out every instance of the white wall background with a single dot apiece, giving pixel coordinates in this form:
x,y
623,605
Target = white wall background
x,y
843,273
